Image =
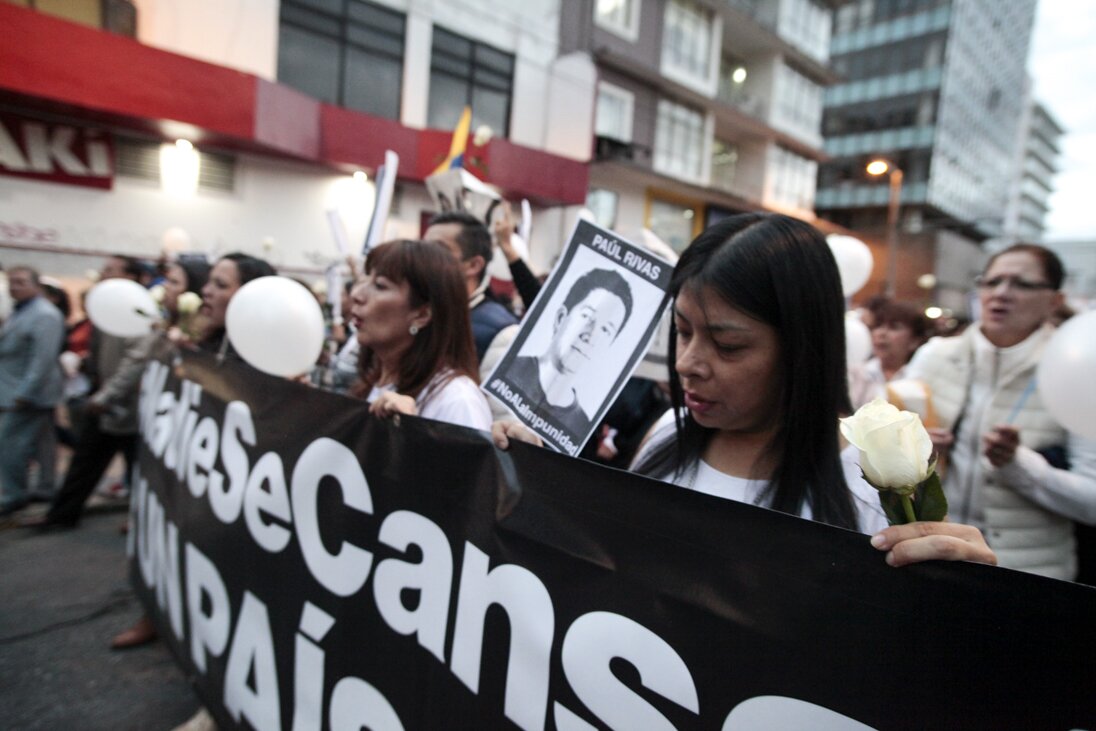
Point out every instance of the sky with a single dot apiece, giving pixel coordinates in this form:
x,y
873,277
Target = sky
x,y
1063,64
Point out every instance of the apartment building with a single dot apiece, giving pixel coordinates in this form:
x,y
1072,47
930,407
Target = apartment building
x,y
937,87
704,108
1033,176
277,105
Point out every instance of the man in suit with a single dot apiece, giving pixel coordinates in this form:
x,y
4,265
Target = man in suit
x,y
30,381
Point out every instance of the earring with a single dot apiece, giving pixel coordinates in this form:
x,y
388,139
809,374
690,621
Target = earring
x,y
414,330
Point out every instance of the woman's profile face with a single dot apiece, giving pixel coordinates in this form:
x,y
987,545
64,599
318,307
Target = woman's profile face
x,y
382,313
729,364
224,280
175,283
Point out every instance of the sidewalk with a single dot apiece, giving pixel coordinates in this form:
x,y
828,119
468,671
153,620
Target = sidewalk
x,y
63,595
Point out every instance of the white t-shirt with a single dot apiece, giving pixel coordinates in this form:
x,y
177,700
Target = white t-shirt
x,y
459,402
870,517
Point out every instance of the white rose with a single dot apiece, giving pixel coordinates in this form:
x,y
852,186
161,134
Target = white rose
x,y
157,293
188,303
482,136
894,446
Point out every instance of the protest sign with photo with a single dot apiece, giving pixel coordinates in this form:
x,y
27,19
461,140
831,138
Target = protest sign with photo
x,y
456,189
313,567
583,337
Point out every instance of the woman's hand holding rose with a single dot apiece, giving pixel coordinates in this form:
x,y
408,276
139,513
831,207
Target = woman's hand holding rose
x,y
933,541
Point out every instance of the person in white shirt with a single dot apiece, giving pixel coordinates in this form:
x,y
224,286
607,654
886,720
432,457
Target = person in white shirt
x,y
898,330
411,320
759,382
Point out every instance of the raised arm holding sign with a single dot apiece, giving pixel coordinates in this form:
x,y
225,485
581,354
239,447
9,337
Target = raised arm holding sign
x,y
583,337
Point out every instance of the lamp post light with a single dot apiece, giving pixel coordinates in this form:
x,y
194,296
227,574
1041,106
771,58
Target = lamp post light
x,y
881,167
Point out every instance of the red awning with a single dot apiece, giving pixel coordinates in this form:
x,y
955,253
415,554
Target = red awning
x,y
53,67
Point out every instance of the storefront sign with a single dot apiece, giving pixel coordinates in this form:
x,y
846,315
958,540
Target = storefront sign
x,y
59,153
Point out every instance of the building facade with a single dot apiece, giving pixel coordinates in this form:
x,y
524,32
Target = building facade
x,y
281,102
1033,175
937,87
704,108
1079,259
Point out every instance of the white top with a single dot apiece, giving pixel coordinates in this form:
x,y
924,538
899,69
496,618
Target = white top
x,y
989,363
867,382
459,402
870,517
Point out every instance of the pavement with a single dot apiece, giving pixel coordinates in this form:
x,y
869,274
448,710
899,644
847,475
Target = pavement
x,y
63,595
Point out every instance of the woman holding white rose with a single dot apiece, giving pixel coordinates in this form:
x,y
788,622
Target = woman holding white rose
x,y
759,383
183,283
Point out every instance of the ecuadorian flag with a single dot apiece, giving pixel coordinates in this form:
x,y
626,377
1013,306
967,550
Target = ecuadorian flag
x,y
455,158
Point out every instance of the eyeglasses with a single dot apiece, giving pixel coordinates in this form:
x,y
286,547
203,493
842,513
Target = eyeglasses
x,y
1016,283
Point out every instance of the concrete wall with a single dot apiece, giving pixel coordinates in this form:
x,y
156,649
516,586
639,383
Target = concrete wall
x,y
239,34
568,116
276,211
243,35
1079,259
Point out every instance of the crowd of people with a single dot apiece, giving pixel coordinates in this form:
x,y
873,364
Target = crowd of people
x,y
749,411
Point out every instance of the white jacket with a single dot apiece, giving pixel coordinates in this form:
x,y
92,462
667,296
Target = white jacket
x,y
1026,508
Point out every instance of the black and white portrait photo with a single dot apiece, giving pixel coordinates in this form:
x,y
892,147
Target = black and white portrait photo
x,y
583,337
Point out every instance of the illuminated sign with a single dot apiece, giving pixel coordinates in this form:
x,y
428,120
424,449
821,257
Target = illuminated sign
x,y
59,153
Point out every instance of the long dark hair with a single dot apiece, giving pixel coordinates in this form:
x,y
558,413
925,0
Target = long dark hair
x,y
247,267
445,344
195,268
780,271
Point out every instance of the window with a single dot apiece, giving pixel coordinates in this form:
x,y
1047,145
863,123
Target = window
x,y
734,86
466,73
724,162
689,45
798,103
675,221
618,16
135,158
793,179
614,112
346,52
679,141
603,204
806,24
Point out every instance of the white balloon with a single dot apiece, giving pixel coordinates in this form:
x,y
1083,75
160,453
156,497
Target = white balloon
x,y
854,261
122,307
276,325
857,339
1065,374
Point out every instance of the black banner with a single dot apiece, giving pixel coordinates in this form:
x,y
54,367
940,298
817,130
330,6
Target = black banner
x,y
315,568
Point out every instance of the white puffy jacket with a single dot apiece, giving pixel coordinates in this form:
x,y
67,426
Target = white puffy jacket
x,y
1027,506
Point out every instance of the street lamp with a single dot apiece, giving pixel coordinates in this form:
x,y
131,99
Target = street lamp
x,y
881,167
